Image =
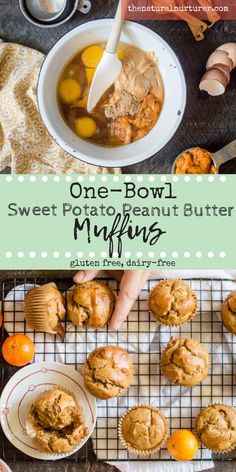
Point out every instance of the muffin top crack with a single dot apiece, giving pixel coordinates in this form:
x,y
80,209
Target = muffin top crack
x,y
108,372
216,427
90,304
172,302
185,361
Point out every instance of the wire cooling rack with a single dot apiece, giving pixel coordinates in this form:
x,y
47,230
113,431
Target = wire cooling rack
x,y
145,341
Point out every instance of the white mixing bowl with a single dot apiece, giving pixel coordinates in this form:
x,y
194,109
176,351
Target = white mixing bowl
x,y
173,106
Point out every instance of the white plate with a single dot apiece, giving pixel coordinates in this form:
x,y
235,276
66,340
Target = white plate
x,y
23,389
4,467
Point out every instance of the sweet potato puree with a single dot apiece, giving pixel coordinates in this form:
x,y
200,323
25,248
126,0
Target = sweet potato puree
x,y
195,161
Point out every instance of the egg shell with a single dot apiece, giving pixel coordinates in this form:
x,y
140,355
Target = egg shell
x,y
223,68
230,49
219,57
214,82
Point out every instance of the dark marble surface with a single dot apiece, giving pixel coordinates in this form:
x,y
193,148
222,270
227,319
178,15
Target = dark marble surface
x,y
209,122
66,467
98,467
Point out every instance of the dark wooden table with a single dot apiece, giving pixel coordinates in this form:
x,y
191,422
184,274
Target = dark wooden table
x,y
208,121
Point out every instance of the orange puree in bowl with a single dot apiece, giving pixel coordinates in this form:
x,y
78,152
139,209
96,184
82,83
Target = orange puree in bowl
x,y
195,161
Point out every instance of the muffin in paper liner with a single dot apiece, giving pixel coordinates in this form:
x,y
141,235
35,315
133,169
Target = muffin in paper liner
x,y
222,408
46,430
164,298
185,361
144,451
44,309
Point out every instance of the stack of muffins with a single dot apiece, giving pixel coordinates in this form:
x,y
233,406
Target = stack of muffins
x,y
108,370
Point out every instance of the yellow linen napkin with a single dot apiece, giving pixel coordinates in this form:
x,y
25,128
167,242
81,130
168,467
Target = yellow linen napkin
x,y
25,144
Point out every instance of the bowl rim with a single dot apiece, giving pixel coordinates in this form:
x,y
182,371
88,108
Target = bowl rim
x,y
5,466
98,161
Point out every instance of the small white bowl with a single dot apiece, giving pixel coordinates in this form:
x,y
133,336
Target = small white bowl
x,y
174,88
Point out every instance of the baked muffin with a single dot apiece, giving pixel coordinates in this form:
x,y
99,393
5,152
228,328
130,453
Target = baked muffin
x,y
108,372
90,304
44,308
143,429
172,302
55,422
185,361
228,312
216,428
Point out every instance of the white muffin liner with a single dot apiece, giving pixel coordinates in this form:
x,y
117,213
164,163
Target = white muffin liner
x,y
143,452
226,451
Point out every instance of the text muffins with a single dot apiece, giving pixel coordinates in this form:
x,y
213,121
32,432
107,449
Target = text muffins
x,y
172,302
228,312
108,372
44,308
185,362
216,428
55,422
90,304
143,429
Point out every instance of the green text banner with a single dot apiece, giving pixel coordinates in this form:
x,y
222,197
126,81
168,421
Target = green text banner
x,y
117,222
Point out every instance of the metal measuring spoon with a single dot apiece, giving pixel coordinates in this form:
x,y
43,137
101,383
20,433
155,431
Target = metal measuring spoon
x,y
225,154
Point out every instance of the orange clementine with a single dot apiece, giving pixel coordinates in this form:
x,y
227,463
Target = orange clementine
x,y
183,445
18,350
